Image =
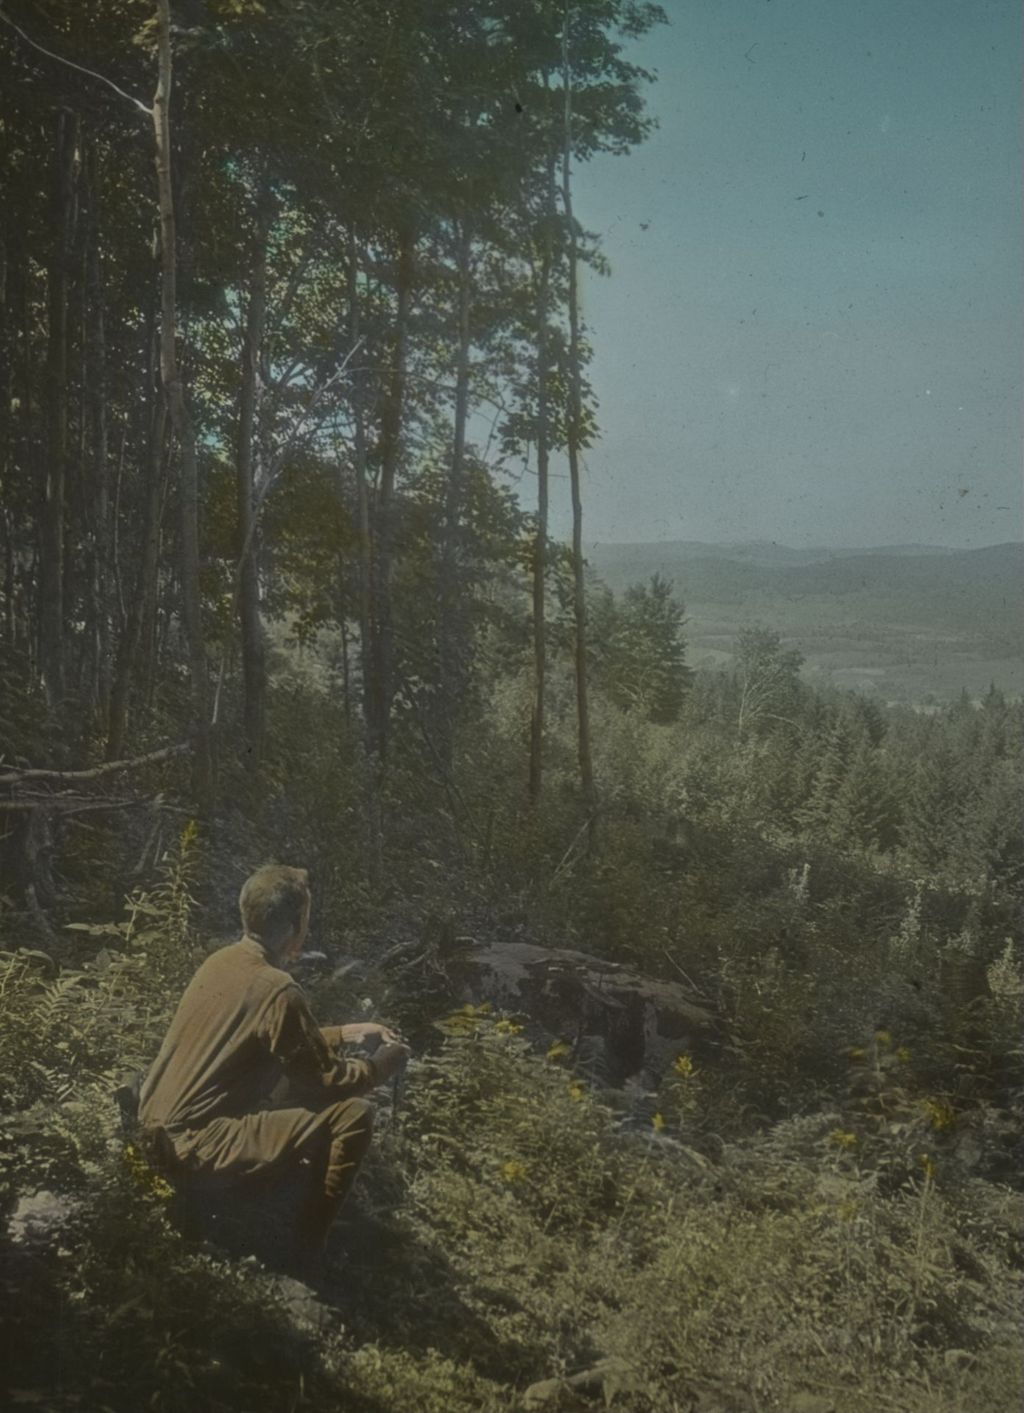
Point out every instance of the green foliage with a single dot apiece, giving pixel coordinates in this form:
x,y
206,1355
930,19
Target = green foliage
x,y
157,932
517,1233
767,680
639,650
67,1040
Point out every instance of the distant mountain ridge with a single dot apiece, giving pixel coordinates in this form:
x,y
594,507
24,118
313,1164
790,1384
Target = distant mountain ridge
x,y
909,621
826,570
766,552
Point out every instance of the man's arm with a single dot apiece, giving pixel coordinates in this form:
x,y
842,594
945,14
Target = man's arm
x,y
367,1033
290,1033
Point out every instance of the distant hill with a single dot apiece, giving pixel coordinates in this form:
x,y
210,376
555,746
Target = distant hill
x,y
904,622
766,552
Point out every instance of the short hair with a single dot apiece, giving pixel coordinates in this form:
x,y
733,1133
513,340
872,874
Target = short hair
x,y
272,902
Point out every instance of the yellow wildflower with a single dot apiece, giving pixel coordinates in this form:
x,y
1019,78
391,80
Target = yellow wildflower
x,y
883,1038
459,1024
557,1049
513,1171
658,1122
856,1053
940,1113
903,1055
683,1066
507,1027
143,1175
576,1091
839,1138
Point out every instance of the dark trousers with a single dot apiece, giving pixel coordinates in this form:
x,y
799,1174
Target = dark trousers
x,y
333,1139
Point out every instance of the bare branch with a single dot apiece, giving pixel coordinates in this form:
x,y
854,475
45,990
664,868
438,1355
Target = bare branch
x,y
278,460
70,63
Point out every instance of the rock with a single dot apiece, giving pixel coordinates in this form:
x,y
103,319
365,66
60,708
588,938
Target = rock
x,y
638,1022
969,1151
550,1394
40,1216
805,1402
607,1379
306,1310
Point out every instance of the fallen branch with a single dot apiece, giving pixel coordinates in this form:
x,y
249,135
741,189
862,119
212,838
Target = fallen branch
x,y
15,777
688,979
69,806
567,858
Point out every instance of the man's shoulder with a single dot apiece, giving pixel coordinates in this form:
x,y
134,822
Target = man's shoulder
x,y
246,962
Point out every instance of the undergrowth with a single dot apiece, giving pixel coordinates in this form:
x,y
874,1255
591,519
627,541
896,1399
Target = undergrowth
x,y
506,1231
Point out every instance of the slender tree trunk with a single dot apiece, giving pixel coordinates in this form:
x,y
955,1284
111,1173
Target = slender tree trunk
x,y
79,603
540,543
366,628
7,442
158,487
118,609
96,344
346,673
382,668
142,607
448,647
51,563
367,574
25,381
181,420
574,438
158,601
10,620
254,673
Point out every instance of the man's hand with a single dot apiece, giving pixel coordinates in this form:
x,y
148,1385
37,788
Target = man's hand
x,y
369,1034
388,1059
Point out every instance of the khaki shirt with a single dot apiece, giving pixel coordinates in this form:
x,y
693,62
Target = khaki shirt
x,y
241,1026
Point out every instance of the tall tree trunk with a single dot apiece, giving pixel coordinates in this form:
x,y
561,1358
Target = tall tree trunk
x,y
366,626
540,542
254,672
181,420
574,438
367,574
10,619
346,669
448,647
142,607
24,377
157,602
99,501
382,668
7,442
51,562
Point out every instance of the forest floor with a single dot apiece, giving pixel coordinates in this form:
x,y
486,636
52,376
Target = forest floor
x,y
521,1240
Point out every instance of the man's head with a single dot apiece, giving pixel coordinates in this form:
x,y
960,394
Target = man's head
x,y
274,904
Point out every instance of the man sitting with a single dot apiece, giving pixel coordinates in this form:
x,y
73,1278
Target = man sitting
x,y
241,1027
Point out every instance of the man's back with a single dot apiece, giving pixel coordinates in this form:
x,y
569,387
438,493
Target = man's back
x,y
214,1061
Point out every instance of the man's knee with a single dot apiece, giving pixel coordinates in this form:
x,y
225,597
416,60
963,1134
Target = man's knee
x,y
352,1119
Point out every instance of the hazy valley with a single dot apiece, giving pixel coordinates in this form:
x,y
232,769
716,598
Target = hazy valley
x,y
908,623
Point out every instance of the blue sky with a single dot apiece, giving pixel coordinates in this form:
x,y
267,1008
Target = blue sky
x,y
811,333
